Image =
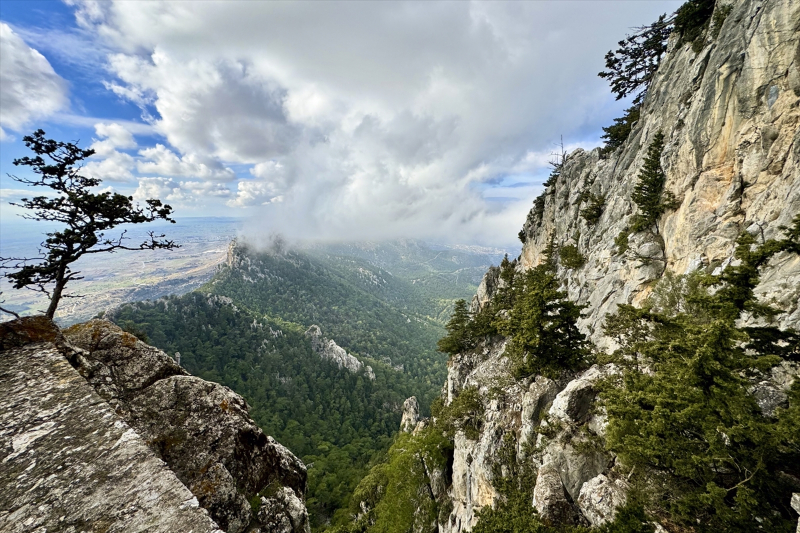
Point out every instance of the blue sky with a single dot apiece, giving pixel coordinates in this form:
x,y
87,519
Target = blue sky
x,y
317,119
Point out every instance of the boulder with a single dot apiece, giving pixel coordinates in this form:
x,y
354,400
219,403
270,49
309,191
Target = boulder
x,y
550,499
771,389
574,403
68,461
284,512
600,497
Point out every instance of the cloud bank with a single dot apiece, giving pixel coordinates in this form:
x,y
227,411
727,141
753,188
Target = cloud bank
x,y
359,119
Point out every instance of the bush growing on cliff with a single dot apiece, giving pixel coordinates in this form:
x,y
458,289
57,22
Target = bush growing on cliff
x,y
464,413
648,194
708,456
631,68
395,493
571,257
543,328
594,208
692,20
618,133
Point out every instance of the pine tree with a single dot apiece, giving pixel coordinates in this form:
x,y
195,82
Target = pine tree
x,y
689,425
543,328
633,65
458,338
648,194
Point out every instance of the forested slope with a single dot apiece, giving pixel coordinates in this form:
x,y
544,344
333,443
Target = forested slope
x,y
246,329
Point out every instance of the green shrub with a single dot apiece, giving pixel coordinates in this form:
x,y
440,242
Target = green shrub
x,y
618,133
720,14
621,241
692,20
594,210
137,330
394,491
571,257
538,208
689,426
464,413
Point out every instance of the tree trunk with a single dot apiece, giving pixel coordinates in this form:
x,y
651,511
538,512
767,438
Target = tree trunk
x,y
60,283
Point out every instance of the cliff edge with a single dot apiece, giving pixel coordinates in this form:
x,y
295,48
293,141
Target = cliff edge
x,y
100,428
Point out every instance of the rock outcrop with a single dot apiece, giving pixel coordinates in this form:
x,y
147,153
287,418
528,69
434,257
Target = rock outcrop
x,y
600,497
67,459
200,430
410,419
330,351
730,115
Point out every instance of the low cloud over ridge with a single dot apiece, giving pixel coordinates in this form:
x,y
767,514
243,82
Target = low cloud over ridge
x,y
359,119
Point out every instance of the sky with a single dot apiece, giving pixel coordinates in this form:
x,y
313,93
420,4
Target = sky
x,y
327,120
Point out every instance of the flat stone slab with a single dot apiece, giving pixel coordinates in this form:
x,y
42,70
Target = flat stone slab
x,y
69,463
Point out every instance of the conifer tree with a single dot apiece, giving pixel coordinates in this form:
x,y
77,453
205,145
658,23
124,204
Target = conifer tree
x,y
542,324
689,425
86,215
458,336
648,194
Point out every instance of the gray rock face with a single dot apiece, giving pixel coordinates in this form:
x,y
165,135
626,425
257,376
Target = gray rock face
x,y
731,123
771,390
202,430
68,460
731,120
796,507
550,499
574,403
410,415
284,512
327,349
600,498
575,464
535,403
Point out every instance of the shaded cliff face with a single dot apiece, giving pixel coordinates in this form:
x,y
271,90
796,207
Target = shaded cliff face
x,y
731,120
147,409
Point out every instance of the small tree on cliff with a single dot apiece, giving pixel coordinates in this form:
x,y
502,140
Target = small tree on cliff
x,y
86,214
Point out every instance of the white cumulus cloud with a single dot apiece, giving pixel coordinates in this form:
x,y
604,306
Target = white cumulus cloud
x,y
367,119
181,193
161,160
31,89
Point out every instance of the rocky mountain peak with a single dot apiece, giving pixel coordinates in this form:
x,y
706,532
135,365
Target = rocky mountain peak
x,y
328,349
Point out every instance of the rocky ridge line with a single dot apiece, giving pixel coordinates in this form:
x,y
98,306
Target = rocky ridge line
x,y
328,350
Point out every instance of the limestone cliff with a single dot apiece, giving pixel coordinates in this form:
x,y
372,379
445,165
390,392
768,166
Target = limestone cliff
x,y
730,114
100,428
330,351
